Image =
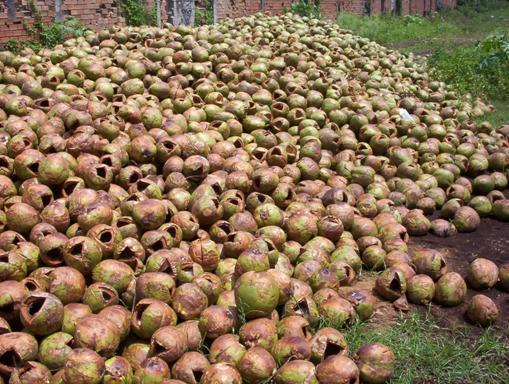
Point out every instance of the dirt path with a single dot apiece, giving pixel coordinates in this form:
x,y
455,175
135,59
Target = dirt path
x,y
490,241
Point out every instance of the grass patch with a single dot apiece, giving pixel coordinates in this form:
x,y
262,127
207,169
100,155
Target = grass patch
x,y
456,42
480,69
462,26
460,68
394,29
428,353
499,116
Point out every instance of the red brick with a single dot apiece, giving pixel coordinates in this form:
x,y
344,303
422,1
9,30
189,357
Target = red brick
x,y
103,13
329,9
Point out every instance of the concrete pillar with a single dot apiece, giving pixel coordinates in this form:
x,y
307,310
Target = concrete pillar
x,y
11,9
58,10
181,12
214,10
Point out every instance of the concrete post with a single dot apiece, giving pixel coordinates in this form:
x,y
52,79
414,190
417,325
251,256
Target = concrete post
x,y
11,9
58,10
181,12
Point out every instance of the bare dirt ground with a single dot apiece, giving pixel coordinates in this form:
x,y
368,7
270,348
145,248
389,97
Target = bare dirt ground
x,y
490,241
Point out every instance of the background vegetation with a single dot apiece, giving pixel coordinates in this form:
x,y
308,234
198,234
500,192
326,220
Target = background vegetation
x,y
308,8
467,47
136,13
44,35
429,353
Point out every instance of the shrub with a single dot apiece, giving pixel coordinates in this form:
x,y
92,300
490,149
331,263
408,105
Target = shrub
x,y
308,8
204,15
480,70
49,35
137,14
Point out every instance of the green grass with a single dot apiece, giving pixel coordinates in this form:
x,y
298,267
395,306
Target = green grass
x,y
390,30
449,40
428,353
425,34
499,116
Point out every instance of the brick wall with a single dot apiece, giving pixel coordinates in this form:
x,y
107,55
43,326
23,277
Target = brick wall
x,y
236,8
103,13
417,7
376,7
276,7
405,7
446,3
13,26
95,13
328,8
164,9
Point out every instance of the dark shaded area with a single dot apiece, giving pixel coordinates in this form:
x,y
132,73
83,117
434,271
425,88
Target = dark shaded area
x,y
490,241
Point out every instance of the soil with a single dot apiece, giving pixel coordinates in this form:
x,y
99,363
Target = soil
x,y
490,241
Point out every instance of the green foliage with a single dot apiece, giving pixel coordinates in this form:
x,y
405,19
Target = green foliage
x,y
428,353
16,46
137,14
204,16
459,68
12,45
480,70
495,63
393,29
475,4
47,35
308,8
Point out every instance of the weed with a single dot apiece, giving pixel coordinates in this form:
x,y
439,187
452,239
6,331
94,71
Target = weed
x,y
137,14
12,45
428,353
49,35
205,15
391,29
460,68
449,28
308,8
203,348
44,35
241,312
479,70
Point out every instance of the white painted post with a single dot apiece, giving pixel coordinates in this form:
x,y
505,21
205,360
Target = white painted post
x,y
181,12
158,13
11,9
214,10
58,10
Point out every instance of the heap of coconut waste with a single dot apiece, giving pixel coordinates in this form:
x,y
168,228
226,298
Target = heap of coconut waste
x,y
195,205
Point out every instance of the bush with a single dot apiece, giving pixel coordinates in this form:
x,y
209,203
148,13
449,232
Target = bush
x,y
204,15
308,8
56,33
137,14
46,35
460,68
479,70
495,62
